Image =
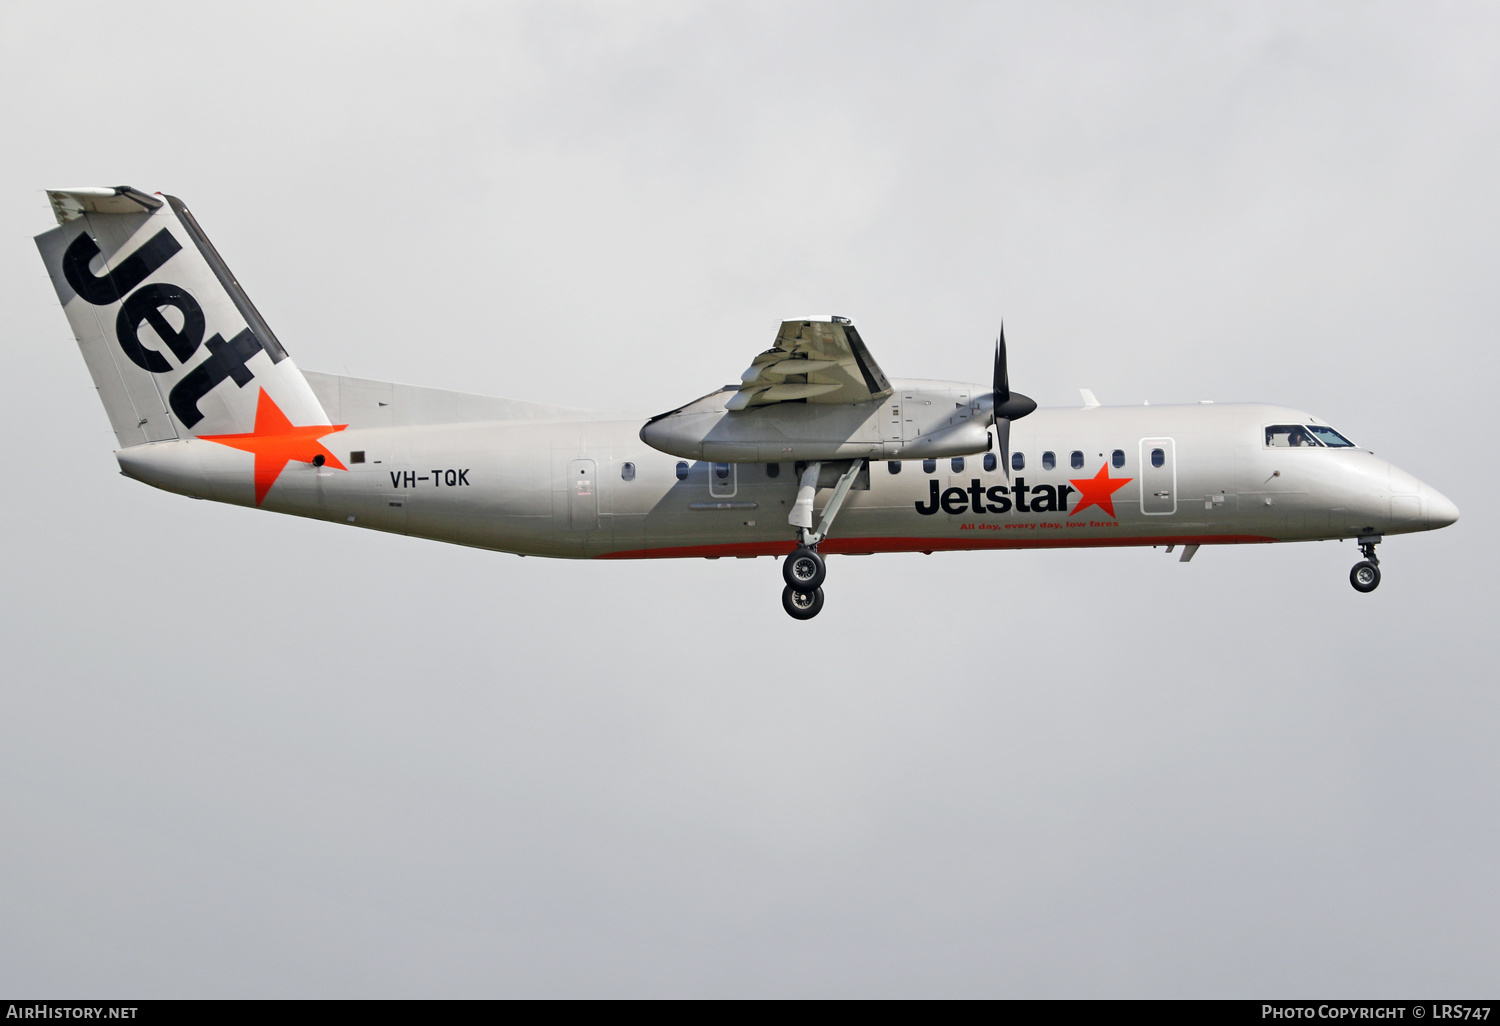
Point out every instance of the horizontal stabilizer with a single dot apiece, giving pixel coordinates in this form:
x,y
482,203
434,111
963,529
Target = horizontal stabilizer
x,y
364,403
71,204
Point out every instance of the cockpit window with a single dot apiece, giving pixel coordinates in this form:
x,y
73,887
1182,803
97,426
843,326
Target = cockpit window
x,y
1329,437
1289,436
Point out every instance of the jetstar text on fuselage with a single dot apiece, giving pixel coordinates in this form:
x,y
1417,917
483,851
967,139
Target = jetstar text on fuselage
x,y
977,499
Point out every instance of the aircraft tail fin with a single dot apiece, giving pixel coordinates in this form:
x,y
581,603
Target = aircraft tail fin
x,y
174,345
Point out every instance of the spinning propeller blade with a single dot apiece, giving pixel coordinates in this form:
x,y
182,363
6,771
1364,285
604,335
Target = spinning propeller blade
x,y
1008,405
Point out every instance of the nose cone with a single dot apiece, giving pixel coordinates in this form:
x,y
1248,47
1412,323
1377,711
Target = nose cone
x,y
1439,510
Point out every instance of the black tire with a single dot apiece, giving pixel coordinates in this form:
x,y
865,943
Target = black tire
x,y
802,605
804,570
1365,576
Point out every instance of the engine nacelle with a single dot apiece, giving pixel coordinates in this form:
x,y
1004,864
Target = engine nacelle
x,y
914,423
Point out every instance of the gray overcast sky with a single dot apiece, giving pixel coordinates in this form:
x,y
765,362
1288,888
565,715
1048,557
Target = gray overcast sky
x,y
248,755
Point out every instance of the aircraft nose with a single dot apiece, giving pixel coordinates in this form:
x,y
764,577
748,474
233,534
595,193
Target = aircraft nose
x,y
1439,509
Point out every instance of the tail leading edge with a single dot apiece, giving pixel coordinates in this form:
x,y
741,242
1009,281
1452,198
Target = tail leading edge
x,y
174,345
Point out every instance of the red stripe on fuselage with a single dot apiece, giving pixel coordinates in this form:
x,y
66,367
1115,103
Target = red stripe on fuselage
x,y
860,546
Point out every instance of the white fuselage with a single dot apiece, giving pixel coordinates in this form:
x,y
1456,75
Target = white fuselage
x,y
549,482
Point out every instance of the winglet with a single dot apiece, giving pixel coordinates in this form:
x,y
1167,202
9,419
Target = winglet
x,y
1088,398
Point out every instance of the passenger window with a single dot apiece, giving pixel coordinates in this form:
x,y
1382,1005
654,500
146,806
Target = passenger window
x,y
1117,458
682,469
1076,460
1158,457
958,464
721,471
1290,436
627,472
990,463
1017,461
1329,437
1049,460
929,466
773,469
357,456
894,466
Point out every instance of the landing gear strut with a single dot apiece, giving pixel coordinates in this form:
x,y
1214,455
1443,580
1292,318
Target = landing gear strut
x,y
1366,573
804,570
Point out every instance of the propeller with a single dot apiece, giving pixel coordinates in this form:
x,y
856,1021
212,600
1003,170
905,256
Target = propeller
x,y
1008,405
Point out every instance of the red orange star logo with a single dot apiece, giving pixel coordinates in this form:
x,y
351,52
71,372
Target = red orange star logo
x,y
1098,491
276,442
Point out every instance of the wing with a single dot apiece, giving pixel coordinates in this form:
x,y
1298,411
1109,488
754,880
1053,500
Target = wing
x,y
817,360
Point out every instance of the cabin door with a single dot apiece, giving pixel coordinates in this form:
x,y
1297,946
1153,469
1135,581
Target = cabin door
x,y
1158,477
722,480
583,496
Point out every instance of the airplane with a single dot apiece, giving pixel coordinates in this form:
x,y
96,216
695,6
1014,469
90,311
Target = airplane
x,y
205,401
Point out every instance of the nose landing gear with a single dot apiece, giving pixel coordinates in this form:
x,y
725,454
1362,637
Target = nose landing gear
x,y
1366,573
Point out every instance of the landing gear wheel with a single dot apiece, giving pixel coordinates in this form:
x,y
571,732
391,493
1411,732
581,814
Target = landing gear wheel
x,y
1365,576
804,570
802,605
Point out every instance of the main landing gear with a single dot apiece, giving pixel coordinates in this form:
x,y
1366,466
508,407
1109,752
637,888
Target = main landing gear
x,y
801,605
1366,573
804,570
